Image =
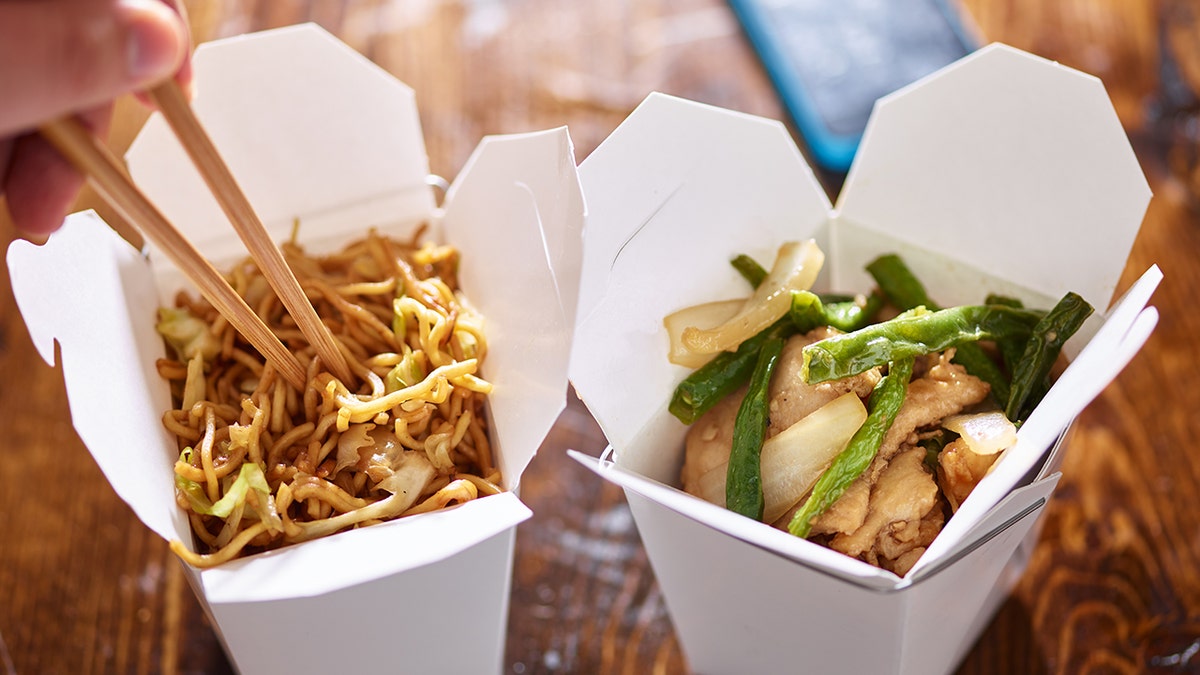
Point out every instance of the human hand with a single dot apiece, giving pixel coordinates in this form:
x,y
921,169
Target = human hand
x,y
60,57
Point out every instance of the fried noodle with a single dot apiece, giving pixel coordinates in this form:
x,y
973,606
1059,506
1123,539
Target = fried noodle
x,y
263,465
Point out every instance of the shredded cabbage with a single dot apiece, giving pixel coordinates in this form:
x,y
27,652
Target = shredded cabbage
x,y
410,371
251,477
188,335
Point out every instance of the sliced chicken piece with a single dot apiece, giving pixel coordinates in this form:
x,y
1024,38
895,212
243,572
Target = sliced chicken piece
x,y
903,495
960,469
792,399
711,436
710,439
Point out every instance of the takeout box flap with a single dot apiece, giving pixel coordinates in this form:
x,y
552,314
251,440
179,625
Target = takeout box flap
x,y
660,181
89,291
1124,332
518,203
311,130
98,297
1008,164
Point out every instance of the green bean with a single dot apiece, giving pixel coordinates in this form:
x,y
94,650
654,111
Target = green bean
x,y
1043,347
749,269
933,449
1010,349
808,312
850,463
977,362
721,376
905,291
898,283
849,316
997,299
743,482
913,333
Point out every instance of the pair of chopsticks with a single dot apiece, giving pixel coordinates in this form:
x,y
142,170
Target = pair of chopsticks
x,y
115,186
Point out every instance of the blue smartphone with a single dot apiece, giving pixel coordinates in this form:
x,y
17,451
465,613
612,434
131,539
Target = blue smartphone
x,y
830,59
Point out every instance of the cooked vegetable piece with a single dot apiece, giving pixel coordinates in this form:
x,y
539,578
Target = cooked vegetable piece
x,y
933,447
250,477
743,487
997,299
913,333
722,375
850,463
1010,349
410,371
187,334
898,283
985,433
750,270
808,311
795,269
706,314
830,298
794,458
1042,349
902,287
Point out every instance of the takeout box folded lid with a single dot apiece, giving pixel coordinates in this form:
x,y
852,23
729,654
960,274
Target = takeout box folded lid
x,y
308,127
85,270
690,212
1007,164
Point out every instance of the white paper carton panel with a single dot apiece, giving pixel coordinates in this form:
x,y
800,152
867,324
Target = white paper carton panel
x,y
376,621
1121,336
1008,164
674,156
697,181
307,126
93,294
518,204
746,609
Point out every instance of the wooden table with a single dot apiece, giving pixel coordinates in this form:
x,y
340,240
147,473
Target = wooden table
x,y
1114,585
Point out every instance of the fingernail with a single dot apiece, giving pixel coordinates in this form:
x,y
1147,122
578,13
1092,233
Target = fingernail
x,y
156,39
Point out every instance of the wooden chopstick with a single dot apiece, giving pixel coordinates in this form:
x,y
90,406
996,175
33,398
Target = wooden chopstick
x,y
174,106
108,176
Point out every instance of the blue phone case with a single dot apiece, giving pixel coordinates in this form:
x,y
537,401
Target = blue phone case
x,y
830,59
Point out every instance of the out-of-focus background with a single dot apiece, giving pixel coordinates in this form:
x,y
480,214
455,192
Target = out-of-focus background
x,y
1114,585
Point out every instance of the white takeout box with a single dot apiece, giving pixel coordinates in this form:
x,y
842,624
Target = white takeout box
x,y
314,131
1003,173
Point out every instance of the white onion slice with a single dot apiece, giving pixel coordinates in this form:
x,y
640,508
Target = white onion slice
x,y
795,458
984,433
708,314
796,267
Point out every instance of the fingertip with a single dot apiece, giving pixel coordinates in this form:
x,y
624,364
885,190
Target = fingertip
x,y
158,40
41,186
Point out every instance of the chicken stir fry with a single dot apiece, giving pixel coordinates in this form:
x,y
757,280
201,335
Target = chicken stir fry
x,y
892,512
815,415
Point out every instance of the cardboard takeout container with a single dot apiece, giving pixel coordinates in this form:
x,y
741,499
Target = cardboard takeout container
x,y
316,132
1003,173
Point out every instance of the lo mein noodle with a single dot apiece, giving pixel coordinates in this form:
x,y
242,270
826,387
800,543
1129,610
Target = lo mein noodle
x,y
263,465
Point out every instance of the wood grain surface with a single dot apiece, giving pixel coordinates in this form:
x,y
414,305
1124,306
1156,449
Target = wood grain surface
x,y
1114,584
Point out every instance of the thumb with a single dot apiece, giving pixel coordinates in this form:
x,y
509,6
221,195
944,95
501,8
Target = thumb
x,y
63,56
